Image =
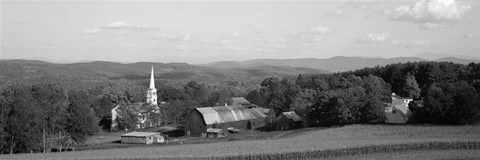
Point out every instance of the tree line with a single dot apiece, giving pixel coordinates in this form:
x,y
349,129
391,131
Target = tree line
x,y
444,93
40,117
45,116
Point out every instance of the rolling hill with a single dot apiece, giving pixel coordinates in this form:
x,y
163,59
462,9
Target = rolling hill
x,y
30,71
334,64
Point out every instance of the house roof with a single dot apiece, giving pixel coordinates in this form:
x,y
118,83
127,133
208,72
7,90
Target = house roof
x,y
402,108
238,100
140,134
394,96
224,114
292,115
214,130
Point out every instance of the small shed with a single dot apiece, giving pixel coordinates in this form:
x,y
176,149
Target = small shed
x,y
142,138
288,120
216,133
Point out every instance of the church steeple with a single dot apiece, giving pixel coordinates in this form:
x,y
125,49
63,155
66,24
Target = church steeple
x,y
152,91
152,80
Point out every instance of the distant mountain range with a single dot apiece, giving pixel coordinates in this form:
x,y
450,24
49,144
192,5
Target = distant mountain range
x,y
252,71
31,71
334,64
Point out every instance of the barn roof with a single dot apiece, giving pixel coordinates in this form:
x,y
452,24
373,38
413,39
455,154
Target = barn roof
x,y
292,115
238,100
140,134
224,114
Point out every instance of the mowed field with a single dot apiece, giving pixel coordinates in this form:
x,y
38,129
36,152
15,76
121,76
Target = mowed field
x,y
310,140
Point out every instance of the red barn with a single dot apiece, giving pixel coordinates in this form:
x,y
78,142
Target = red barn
x,y
223,117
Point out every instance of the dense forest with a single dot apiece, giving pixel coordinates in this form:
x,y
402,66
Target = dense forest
x,y
443,93
38,113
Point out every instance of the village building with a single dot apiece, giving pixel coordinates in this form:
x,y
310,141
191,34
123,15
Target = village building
x,y
288,120
216,133
225,117
142,138
397,111
147,113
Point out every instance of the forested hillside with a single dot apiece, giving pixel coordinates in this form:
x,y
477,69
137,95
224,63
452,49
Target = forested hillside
x,y
444,93
85,75
46,105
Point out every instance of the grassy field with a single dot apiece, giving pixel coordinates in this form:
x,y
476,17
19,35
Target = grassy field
x,y
415,155
310,140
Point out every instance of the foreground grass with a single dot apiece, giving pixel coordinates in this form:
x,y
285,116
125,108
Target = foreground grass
x,y
416,155
310,142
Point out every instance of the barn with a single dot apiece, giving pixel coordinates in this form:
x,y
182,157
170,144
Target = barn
x,y
223,117
142,138
288,120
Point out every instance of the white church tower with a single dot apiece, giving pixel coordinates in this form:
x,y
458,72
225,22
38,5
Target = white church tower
x,y
152,91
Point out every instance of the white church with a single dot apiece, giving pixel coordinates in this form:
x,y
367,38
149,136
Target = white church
x,y
148,114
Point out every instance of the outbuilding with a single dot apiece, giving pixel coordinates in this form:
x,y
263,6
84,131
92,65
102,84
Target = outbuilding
x,y
216,133
288,120
142,138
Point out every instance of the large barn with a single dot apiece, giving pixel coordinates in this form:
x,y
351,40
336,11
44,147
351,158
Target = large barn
x,y
224,117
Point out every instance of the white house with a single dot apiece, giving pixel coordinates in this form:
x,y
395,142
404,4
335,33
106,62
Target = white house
x,y
397,111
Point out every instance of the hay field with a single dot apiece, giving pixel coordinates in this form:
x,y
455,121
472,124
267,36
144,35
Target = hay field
x,y
306,142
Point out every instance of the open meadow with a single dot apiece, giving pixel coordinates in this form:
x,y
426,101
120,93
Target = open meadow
x,y
326,142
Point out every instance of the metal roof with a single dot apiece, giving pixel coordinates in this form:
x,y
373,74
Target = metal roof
x,y
214,130
224,114
140,134
292,115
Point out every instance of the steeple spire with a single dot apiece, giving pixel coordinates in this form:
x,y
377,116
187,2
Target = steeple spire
x,y
152,91
152,80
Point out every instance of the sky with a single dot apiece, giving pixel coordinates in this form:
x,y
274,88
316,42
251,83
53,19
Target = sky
x,y
204,31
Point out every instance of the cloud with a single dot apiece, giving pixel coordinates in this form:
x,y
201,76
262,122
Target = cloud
x,y
319,30
118,24
92,31
182,47
310,35
375,37
231,35
421,43
429,26
469,35
126,25
430,11
171,37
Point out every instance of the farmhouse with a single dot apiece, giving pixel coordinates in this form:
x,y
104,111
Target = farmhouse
x,y
288,120
223,117
397,111
147,113
142,138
